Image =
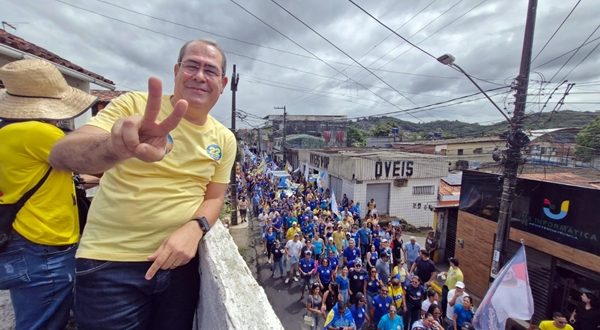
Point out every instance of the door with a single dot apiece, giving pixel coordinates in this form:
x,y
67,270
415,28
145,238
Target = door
x,y
380,192
335,185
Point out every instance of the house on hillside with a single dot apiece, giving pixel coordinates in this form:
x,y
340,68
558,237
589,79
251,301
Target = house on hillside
x,y
13,48
555,146
462,153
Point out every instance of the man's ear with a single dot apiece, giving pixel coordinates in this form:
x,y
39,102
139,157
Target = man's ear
x,y
224,83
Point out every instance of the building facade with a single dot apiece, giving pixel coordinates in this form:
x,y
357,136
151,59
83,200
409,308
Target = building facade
x,y
403,185
462,153
558,225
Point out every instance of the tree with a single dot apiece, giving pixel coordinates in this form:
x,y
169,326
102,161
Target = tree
x,y
356,137
588,141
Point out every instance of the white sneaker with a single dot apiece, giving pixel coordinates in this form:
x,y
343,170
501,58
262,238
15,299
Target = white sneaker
x,y
287,280
295,279
269,262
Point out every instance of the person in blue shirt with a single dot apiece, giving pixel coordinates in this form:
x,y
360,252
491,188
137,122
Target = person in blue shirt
x,y
391,320
325,273
277,226
364,239
269,238
343,283
359,311
463,313
330,246
415,293
381,305
307,267
318,246
351,252
255,204
340,317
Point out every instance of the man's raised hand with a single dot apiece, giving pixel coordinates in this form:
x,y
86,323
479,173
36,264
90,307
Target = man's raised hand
x,y
144,137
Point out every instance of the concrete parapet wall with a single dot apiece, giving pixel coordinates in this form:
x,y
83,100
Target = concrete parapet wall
x,y
230,297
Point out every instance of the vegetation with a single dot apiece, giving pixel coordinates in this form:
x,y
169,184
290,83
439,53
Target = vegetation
x,y
381,126
588,141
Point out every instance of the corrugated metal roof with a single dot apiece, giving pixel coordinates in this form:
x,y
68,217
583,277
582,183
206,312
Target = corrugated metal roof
x,y
453,179
23,45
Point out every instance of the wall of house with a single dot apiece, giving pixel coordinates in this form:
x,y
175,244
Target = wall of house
x,y
476,253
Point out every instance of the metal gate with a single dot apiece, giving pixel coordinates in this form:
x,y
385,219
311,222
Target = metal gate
x,y
451,232
380,192
335,185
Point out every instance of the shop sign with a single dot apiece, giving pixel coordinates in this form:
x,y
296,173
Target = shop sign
x,y
394,169
319,161
562,213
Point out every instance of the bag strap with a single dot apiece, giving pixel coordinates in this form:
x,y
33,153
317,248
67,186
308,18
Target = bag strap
x,y
19,204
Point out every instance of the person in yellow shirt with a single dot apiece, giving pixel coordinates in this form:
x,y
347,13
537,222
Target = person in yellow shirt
x,y
294,229
38,260
558,322
396,292
338,237
453,275
166,164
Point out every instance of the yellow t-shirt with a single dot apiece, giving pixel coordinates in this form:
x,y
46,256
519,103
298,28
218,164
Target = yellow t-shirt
x,y
50,216
289,235
454,275
397,295
549,325
140,204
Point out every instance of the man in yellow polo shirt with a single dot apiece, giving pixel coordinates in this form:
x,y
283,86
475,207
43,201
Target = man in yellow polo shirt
x,y
166,165
37,264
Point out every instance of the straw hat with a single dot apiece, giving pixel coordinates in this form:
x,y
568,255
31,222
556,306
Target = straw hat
x,y
35,89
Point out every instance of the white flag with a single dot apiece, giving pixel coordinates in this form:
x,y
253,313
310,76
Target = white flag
x,y
334,206
508,297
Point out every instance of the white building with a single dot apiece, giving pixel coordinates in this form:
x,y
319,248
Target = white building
x,y
403,185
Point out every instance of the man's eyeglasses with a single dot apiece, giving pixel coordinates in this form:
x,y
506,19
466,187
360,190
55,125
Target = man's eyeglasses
x,y
209,71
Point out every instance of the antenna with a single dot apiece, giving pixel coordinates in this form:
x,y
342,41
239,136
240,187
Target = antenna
x,y
5,24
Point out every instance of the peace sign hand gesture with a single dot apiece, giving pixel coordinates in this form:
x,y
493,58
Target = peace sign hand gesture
x,y
143,137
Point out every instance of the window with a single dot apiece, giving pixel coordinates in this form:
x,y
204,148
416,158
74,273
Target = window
x,y
423,190
459,152
477,150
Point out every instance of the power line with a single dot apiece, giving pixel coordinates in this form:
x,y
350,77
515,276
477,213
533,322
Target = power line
x,y
391,30
556,31
308,51
573,55
434,104
567,53
343,52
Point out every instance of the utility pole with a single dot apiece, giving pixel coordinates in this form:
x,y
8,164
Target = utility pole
x,y
232,180
517,139
259,142
284,133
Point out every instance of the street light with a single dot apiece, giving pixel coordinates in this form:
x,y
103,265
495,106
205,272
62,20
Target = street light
x,y
516,140
448,60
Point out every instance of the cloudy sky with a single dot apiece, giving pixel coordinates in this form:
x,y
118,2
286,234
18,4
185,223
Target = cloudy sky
x,y
349,65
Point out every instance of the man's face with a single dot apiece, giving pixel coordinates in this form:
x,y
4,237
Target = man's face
x,y
199,77
560,322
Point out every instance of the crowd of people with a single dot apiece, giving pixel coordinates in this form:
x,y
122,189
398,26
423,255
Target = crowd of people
x,y
355,272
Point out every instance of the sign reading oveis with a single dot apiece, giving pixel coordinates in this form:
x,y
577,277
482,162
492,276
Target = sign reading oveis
x,y
394,168
319,161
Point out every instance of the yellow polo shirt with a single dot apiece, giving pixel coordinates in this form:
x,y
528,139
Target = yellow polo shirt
x,y
140,204
50,216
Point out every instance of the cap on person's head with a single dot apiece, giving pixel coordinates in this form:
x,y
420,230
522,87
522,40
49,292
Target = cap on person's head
x,y
359,296
412,238
330,238
307,252
35,89
297,235
460,285
351,241
384,240
358,263
454,261
294,223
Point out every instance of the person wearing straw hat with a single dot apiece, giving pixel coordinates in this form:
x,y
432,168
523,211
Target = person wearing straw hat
x,y
38,260
166,165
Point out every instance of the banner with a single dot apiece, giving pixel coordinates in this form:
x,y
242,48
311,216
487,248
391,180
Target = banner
x,y
508,297
334,206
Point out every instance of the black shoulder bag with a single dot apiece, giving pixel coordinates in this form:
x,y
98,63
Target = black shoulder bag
x,y
8,212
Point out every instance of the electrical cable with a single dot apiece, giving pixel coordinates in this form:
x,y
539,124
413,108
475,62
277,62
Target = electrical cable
x,y
555,31
343,52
